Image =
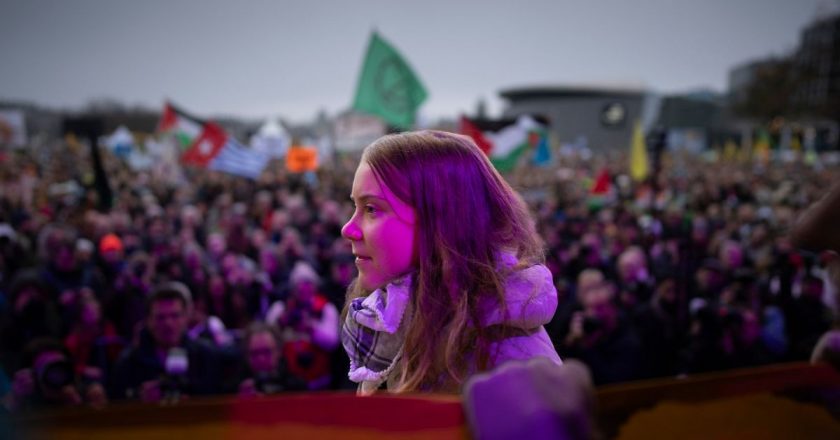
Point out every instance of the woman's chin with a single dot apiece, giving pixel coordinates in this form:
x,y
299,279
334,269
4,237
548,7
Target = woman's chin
x,y
368,284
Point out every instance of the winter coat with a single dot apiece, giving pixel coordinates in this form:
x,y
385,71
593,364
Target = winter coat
x,y
530,302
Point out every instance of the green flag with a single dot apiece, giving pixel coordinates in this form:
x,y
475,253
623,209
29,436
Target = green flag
x,y
388,87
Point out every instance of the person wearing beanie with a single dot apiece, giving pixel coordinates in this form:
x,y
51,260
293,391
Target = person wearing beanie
x,y
110,243
308,323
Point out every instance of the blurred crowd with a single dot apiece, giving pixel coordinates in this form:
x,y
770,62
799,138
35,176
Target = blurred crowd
x,y
691,271
203,283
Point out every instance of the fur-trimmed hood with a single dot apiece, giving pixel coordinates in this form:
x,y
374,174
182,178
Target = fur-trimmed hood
x,y
530,298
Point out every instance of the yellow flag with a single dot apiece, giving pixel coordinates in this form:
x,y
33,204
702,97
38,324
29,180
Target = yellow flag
x,y
762,146
795,144
730,151
638,154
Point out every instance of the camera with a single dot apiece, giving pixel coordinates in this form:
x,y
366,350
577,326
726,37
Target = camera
x,y
174,381
55,375
139,269
268,383
591,324
295,313
293,318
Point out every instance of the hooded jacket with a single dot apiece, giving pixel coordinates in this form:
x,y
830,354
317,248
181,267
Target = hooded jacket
x,y
530,302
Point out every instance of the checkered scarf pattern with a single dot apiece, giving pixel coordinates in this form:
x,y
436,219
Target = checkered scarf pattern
x,y
372,334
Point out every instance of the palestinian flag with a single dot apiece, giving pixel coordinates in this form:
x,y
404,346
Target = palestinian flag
x,y
184,127
206,146
600,190
506,141
602,184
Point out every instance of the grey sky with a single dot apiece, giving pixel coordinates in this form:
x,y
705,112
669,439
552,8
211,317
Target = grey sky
x,y
290,59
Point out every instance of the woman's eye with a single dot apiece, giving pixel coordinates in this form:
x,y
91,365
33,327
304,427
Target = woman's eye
x,y
371,210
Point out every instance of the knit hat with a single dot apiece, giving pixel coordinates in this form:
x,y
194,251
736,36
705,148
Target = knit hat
x,y
84,245
110,242
302,271
7,231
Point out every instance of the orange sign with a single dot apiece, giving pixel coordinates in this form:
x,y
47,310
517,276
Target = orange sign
x,y
301,159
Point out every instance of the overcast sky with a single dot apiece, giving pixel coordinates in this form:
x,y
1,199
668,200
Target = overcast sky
x,y
291,59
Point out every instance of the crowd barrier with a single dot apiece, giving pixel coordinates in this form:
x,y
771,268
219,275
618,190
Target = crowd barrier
x,y
794,400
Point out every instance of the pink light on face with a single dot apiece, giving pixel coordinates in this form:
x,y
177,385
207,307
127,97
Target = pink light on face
x,y
382,231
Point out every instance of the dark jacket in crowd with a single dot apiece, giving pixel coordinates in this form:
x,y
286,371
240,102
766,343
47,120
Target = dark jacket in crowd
x,y
141,363
278,382
615,357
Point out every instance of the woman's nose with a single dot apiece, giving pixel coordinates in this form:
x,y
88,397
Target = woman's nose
x,y
351,230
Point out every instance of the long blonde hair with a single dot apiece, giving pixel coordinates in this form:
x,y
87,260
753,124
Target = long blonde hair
x,y
467,215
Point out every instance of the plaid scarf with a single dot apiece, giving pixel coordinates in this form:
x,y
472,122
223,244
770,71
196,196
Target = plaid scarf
x,y
372,334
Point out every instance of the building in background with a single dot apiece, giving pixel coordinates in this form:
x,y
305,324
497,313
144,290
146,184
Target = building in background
x,y
743,76
600,117
696,120
796,95
816,68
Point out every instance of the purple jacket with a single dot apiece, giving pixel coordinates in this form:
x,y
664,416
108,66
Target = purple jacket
x,y
531,302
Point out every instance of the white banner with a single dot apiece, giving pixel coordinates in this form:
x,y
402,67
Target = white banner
x,y
12,128
271,139
354,131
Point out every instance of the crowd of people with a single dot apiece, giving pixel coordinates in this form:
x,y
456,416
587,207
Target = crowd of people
x,y
691,272
213,284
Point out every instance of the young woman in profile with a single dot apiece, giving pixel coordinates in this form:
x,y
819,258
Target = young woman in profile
x,y
451,280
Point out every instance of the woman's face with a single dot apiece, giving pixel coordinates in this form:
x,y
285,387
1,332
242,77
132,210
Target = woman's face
x,y
382,231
